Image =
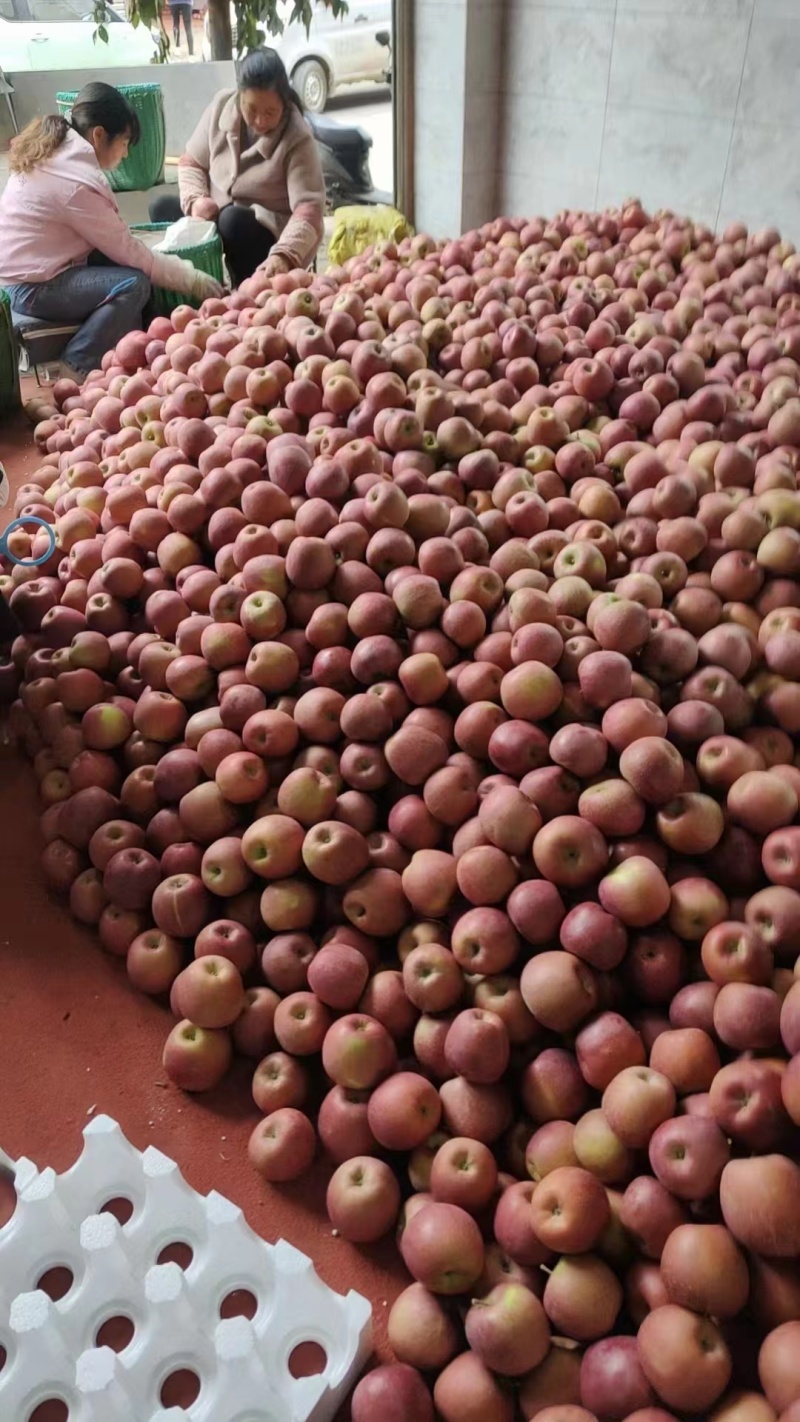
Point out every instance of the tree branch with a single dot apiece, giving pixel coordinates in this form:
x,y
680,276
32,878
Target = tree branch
x,y
255,21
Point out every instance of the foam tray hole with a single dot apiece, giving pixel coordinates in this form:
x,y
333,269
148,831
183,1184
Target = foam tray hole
x,y
116,1333
307,1360
56,1282
180,1389
53,1409
120,1207
239,1303
178,1252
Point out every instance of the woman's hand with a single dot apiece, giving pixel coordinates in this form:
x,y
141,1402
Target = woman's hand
x,y
206,209
275,264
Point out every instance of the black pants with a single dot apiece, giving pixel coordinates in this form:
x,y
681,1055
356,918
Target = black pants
x,y
185,10
245,241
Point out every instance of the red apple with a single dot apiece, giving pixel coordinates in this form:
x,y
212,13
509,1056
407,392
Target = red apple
x,y
196,1058
363,1199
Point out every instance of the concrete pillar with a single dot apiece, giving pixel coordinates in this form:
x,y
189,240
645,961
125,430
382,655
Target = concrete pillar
x,y
458,62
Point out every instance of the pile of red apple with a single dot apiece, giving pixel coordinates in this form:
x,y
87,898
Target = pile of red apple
x,y
413,697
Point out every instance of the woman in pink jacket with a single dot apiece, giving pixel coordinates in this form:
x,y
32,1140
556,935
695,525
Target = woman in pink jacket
x,y
66,254
252,167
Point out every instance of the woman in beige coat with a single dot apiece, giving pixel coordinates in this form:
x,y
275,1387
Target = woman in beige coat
x,y
252,167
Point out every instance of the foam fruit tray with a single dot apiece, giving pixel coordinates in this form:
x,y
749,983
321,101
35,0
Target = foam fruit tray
x,y
242,1363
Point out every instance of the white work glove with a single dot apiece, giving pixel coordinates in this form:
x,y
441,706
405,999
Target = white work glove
x,y
204,286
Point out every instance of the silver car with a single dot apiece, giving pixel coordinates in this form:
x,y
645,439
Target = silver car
x,y
333,53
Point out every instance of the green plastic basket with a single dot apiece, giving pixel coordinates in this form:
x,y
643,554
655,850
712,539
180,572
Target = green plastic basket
x,y
10,400
206,256
144,166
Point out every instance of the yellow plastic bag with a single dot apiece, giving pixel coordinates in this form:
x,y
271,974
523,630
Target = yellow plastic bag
x,y
357,228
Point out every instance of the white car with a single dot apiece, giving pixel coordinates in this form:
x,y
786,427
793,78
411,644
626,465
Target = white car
x,y
59,34
333,52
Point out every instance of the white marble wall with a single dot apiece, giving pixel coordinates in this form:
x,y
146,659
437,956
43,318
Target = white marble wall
x,y
440,33
691,104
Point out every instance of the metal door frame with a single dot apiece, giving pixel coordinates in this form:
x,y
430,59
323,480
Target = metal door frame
x,y
403,104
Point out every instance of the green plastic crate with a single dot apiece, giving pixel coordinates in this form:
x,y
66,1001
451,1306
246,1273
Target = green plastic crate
x,y
10,400
206,256
144,166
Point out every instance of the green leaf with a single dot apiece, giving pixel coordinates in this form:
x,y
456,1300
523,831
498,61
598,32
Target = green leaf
x,y
301,14
255,19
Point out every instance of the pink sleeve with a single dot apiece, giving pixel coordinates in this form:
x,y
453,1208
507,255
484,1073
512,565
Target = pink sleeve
x,y
99,221
192,183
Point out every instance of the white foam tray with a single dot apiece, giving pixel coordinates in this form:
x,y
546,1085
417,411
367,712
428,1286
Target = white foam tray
x,y
242,1364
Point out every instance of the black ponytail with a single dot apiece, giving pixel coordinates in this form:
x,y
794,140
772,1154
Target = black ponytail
x,y
264,69
102,106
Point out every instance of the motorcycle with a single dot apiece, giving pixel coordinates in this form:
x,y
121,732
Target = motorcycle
x,y
344,152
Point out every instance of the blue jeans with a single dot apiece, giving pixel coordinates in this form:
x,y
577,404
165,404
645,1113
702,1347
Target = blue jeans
x,y
109,301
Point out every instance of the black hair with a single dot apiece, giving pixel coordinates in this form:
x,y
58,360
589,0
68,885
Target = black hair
x,y
96,106
264,69
100,105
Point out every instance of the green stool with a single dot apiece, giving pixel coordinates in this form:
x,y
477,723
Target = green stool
x,y
206,256
10,399
144,166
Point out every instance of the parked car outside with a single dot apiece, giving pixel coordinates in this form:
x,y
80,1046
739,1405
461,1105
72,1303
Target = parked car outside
x,y
333,53
59,34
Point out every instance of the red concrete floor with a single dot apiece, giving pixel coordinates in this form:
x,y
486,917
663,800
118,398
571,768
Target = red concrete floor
x,y
77,1040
